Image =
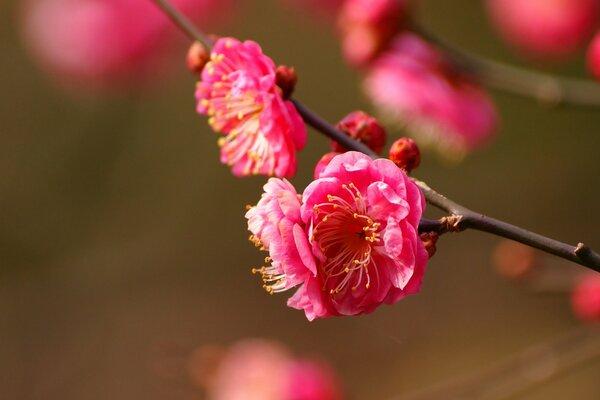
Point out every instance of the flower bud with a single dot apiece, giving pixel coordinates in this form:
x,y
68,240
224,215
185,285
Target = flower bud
x,y
405,154
323,162
430,239
197,57
362,127
286,79
585,299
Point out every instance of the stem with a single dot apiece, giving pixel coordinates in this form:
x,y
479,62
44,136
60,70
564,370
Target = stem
x,y
466,218
460,217
546,88
184,24
320,125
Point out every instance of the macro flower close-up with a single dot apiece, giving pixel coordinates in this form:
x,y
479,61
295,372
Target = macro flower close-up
x,y
351,244
262,131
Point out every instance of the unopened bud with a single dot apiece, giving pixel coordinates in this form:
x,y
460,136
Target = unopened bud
x,y
585,299
430,239
286,79
324,162
197,57
515,261
364,128
405,154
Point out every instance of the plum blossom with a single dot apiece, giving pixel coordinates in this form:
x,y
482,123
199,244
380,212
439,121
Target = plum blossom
x,y
92,44
545,28
238,90
413,85
258,369
367,26
351,242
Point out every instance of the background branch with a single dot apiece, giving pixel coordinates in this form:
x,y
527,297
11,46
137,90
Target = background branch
x,y
546,88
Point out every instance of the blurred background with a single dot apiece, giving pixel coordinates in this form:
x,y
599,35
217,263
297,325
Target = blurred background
x,y
123,243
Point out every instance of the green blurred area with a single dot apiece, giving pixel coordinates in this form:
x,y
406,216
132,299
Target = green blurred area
x,y
123,241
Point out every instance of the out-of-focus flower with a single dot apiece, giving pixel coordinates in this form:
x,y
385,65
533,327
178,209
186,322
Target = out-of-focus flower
x,y
323,162
593,56
99,43
413,85
515,261
367,26
405,154
238,91
585,299
364,128
352,243
545,28
255,369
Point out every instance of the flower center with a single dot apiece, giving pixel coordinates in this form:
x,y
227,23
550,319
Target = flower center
x,y
346,236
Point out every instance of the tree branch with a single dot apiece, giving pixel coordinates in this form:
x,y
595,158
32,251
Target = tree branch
x,y
460,217
545,88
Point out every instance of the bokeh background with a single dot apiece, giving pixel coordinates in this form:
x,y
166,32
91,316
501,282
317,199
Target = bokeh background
x,y
123,244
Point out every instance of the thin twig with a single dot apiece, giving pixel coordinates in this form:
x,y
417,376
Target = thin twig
x,y
546,88
460,217
183,23
521,372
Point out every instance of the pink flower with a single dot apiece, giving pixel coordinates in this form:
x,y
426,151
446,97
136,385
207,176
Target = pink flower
x,y
413,85
255,369
545,28
585,299
593,56
262,131
98,43
324,162
351,245
367,26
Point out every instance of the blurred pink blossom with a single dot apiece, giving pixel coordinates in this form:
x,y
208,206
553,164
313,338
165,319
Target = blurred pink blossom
x,y
413,85
255,369
593,56
545,28
352,244
367,26
98,43
585,299
239,92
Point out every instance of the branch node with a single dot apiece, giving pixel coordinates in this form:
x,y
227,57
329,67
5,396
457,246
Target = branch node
x,y
582,249
452,223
